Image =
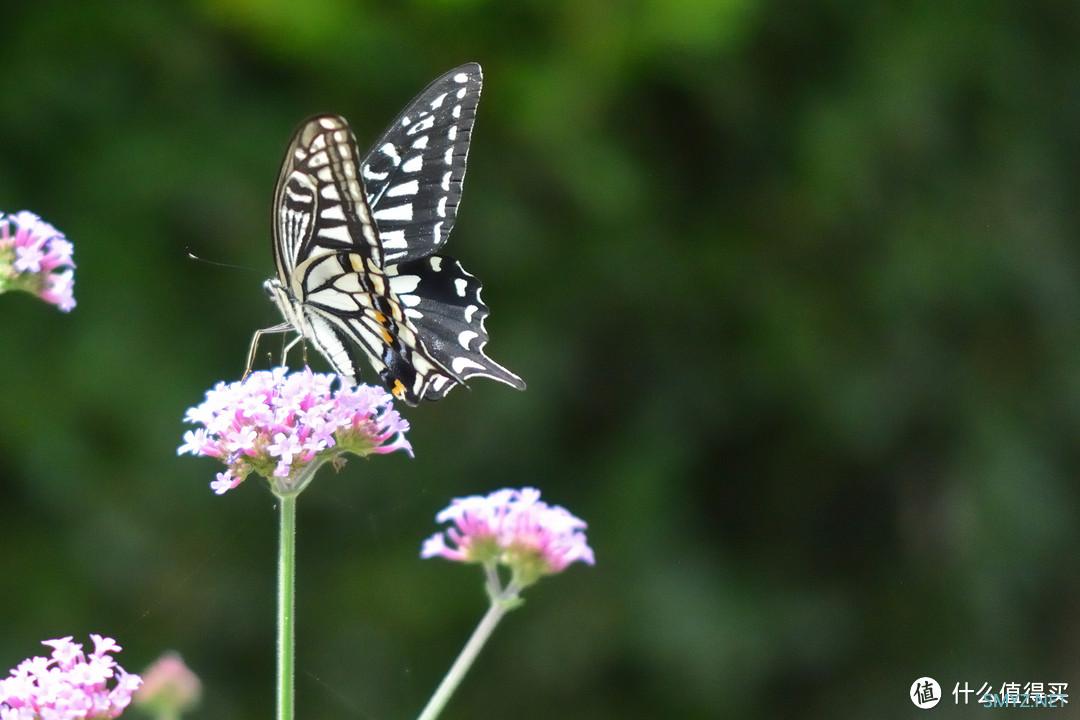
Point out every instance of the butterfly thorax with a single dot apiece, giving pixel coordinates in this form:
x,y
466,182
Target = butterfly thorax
x,y
287,304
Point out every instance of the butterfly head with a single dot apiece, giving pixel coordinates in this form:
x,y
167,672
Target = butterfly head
x,y
280,296
272,288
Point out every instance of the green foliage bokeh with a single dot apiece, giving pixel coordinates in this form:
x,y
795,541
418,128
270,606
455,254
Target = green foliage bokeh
x,y
795,288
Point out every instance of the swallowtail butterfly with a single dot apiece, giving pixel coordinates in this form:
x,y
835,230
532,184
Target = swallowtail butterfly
x,y
356,247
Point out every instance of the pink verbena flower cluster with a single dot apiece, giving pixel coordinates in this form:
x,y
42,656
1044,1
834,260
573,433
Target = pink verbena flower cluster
x,y
36,258
70,685
284,426
513,528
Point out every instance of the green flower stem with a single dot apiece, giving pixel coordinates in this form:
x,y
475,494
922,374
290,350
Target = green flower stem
x,y
449,684
287,490
503,600
286,636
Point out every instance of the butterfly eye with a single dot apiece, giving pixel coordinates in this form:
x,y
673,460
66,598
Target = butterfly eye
x,y
270,288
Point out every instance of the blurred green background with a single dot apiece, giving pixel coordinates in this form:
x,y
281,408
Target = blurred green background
x,y
795,288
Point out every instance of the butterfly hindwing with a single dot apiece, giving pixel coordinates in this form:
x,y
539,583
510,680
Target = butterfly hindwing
x,y
414,173
442,300
354,314
336,340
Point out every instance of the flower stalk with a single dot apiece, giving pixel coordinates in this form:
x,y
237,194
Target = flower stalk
x,y
503,600
286,608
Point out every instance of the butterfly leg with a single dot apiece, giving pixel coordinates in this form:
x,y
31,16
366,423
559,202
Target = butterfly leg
x,y
283,327
290,346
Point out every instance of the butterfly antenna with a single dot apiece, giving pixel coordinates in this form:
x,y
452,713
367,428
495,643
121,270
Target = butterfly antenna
x,y
196,258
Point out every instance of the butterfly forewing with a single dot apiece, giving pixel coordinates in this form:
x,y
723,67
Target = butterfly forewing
x,y
319,203
414,172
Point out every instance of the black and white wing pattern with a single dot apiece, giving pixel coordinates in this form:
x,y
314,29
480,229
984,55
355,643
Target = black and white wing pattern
x,y
414,172
413,177
442,300
354,246
319,204
331,287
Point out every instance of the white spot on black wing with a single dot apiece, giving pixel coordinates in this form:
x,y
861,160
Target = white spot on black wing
x,y
394,239
391,152
334,212
462,363
402,284
405,188
465,337
397,212
338,233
